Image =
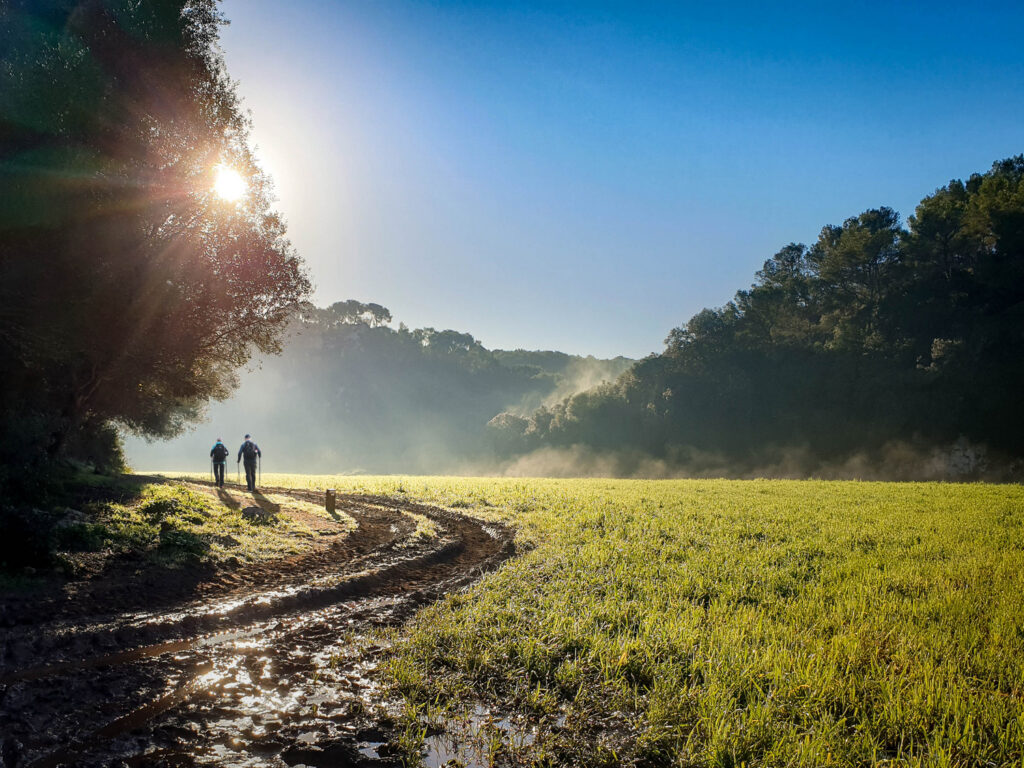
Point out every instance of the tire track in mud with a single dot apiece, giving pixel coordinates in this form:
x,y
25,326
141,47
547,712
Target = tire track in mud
x,y
276,672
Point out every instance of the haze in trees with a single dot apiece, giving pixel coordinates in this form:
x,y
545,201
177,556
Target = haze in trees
x,y
349,393
877,333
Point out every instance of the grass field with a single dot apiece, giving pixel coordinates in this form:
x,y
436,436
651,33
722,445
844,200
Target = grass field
x,y
723,623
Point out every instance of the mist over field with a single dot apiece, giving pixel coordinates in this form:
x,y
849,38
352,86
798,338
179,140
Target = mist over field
x,y
900,461
351,394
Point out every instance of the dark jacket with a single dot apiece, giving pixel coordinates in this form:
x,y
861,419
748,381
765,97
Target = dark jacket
x,y
241,451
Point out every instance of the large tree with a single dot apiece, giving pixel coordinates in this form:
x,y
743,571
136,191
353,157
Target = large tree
x,y
129,290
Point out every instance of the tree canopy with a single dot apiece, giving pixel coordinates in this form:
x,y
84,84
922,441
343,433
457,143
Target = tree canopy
x,y
129,291
877,332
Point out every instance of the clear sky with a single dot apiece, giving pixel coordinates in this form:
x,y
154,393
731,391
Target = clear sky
x,y
586,176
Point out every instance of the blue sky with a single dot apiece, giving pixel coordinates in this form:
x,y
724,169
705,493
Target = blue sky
x,y
586,176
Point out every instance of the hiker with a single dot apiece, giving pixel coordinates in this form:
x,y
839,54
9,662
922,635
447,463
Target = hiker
x,y
250,452
219,454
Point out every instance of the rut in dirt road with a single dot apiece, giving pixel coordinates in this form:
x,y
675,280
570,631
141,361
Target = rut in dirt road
x,y
276,673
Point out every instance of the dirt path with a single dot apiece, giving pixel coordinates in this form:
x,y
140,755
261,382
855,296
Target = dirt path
x,y
265,666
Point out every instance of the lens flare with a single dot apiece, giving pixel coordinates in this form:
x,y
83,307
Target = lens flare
x,y
228,184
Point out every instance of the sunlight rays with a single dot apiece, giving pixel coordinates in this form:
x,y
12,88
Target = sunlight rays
x,y
228,183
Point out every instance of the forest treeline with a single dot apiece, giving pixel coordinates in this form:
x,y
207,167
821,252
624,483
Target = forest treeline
x,y
350,393
131,296
876,335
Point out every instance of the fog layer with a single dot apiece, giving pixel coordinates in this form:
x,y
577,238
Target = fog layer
x,y
349,394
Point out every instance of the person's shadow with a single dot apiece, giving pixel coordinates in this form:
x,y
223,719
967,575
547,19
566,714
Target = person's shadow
x,y
227,499
262,501
266,503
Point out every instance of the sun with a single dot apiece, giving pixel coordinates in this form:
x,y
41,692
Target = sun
x,y
229,184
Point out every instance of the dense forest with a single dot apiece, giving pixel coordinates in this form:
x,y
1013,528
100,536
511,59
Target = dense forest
x,y
882,348
349,393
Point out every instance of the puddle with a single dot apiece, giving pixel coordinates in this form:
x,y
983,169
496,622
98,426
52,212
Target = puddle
x,y
370,749
474,741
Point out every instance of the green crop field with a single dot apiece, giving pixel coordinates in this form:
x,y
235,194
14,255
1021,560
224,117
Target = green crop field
x,y
723,623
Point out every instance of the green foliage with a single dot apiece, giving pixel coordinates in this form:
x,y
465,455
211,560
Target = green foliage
x,y
99,447
874,334
350,312
128,292
169,503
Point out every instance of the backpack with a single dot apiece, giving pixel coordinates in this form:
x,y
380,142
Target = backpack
x,y
249,450
220,452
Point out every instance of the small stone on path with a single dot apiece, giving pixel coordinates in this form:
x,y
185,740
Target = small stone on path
x,y
256,514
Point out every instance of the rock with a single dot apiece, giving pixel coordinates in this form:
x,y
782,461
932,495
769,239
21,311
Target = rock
x,y
258,515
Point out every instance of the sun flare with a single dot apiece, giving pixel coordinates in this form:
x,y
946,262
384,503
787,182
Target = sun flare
x,y
229,184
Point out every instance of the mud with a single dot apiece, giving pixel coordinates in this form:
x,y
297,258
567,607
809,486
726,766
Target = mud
x,y
271,665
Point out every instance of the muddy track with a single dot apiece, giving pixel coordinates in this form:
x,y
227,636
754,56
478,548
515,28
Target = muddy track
x,y
124,586
264,666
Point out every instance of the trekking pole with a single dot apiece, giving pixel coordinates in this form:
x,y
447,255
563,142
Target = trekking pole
x,y
213,474
259,465
238,474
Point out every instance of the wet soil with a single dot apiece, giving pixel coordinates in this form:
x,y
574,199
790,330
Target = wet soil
x,y
265,665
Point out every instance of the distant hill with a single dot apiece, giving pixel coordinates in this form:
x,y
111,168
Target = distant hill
x,y
350,393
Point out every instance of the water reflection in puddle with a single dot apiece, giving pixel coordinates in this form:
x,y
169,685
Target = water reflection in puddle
x,y
370,749
307,683
474,741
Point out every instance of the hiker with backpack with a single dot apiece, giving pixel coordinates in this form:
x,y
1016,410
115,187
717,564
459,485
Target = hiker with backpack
x,y
250,452
219,455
